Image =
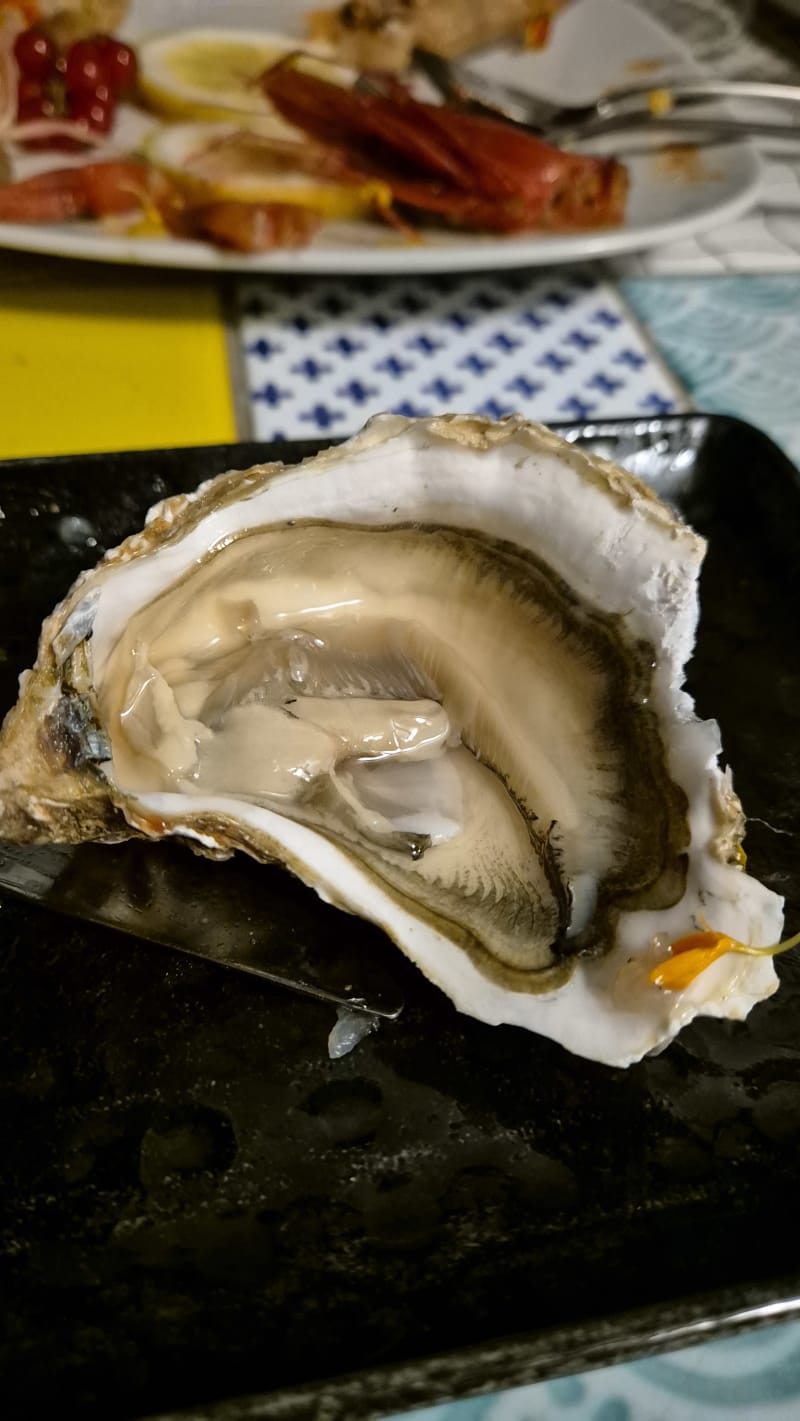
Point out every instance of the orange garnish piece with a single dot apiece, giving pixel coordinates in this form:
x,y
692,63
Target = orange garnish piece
x,y
660,102
690,955
28,8
537,32
706,941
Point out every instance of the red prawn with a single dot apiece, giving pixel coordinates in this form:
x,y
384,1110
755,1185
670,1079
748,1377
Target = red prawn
x,y
475,172
124,185
96,190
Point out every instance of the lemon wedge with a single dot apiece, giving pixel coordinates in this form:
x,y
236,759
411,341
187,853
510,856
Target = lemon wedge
x,y
244,162
214,73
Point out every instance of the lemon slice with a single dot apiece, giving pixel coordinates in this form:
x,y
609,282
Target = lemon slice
x,y
213,162
214,73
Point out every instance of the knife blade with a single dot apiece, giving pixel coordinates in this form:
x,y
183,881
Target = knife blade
x,y
236,913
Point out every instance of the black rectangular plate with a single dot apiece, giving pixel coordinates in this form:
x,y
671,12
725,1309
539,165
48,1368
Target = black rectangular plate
x,y
198,1204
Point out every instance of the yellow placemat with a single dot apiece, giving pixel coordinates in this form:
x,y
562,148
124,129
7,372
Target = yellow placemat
x,y
109,358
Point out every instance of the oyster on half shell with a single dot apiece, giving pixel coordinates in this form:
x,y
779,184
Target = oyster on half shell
x,y
437,673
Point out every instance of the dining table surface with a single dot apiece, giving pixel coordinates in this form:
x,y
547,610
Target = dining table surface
x,y
98,358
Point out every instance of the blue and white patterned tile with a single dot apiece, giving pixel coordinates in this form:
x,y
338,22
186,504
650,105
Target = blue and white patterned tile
x,y
321,356
734,342
752,1377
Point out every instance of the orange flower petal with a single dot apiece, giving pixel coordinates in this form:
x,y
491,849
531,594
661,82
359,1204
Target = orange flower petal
x,y
690,955
678,972
706,941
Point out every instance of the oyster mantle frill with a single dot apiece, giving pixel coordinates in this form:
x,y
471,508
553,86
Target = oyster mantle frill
x,y
437,673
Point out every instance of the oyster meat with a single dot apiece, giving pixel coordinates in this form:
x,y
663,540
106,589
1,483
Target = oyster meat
x,y
437,673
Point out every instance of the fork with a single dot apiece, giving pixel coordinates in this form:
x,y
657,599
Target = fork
x,y
622,108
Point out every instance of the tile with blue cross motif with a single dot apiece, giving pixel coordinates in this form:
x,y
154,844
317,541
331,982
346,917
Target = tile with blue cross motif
x,y
322,355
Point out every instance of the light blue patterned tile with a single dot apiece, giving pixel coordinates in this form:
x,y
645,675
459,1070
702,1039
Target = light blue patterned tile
x,y
323,355
735,343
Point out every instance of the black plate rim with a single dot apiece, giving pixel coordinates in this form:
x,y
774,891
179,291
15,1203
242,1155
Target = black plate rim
x,y
636,424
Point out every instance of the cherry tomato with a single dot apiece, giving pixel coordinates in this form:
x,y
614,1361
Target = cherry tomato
x,y
33,102
29,89
95,112
121,65
86,67
33,105
34,109
35,54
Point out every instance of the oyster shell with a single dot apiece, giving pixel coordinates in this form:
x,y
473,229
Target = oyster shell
x,y
437,673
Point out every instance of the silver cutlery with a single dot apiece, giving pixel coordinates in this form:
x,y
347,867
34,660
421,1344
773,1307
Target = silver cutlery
x,y
656,104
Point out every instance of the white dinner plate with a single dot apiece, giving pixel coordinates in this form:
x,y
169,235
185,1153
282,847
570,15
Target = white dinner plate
x,y
596,45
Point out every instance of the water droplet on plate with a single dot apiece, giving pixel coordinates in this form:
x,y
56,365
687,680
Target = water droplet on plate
x,y
76,532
